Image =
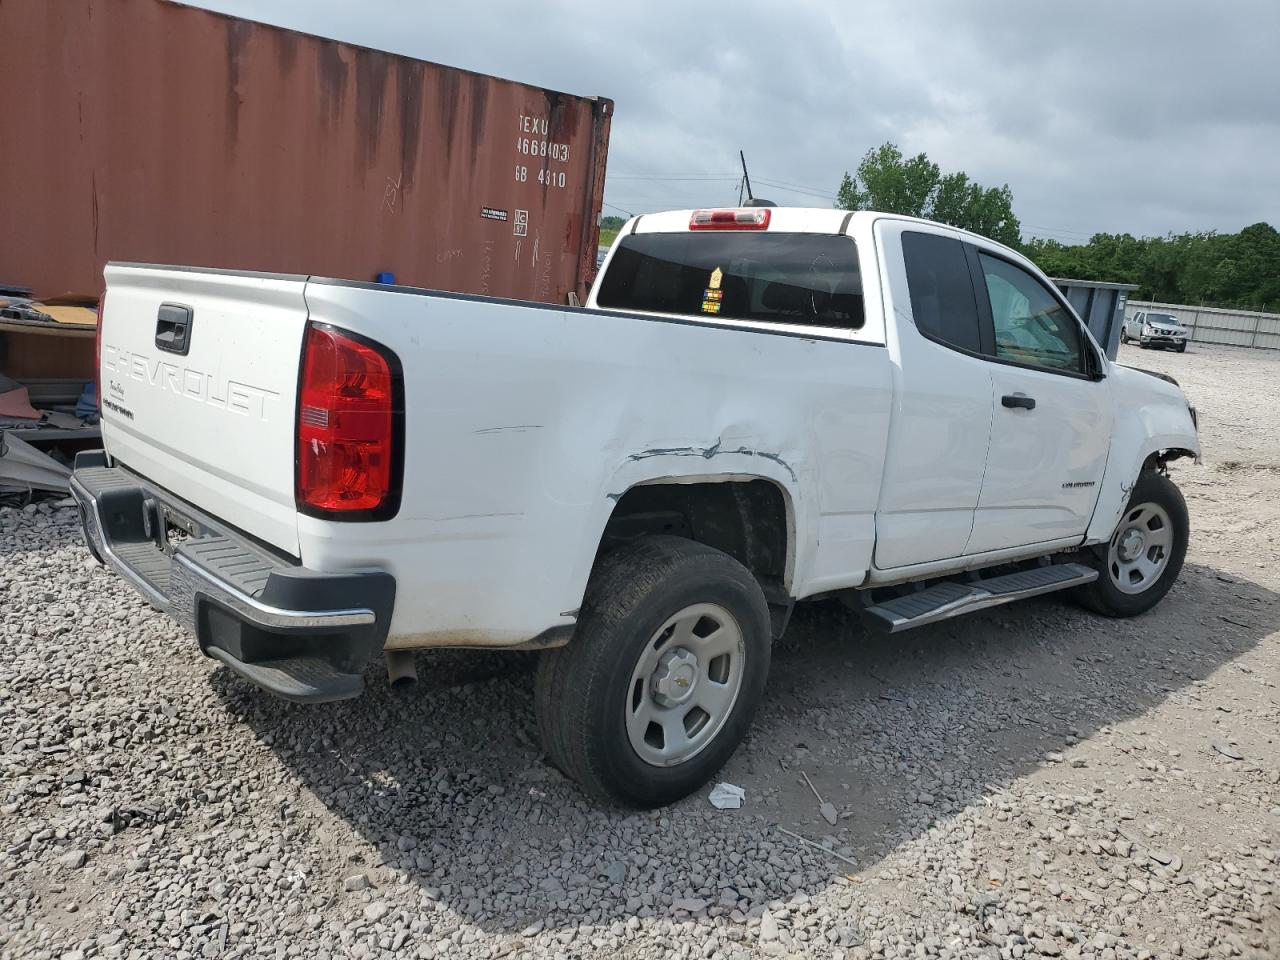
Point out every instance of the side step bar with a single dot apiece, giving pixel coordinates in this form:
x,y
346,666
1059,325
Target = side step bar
x,y
952,599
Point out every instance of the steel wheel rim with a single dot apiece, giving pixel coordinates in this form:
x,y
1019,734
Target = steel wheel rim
x,y
1140,548
685,685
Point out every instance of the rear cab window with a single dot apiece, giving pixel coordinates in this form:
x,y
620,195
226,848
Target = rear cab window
x,y
942,300
771,277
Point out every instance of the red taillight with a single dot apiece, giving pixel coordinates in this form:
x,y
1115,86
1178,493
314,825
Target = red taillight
x,y
346,427
97,356
750,218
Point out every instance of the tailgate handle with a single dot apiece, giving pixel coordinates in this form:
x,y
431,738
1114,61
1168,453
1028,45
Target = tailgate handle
x,y
173,328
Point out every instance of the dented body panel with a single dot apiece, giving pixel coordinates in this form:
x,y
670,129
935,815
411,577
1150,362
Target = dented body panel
x,y
1155,419
551,415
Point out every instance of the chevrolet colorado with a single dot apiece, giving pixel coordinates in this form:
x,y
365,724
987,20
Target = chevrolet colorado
x,y
754,407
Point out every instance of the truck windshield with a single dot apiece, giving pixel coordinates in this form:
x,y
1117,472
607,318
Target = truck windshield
x,y
794,278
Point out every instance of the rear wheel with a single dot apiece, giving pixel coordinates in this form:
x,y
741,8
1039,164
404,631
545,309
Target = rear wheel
x,y
1139,564
663,676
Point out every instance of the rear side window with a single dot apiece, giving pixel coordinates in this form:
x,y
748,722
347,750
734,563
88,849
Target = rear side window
x,y
795,278
942,300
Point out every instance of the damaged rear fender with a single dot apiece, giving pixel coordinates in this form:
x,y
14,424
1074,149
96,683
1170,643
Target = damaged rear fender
x,y
710,464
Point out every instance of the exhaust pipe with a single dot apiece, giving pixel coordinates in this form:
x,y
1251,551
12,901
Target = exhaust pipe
x,y
402,668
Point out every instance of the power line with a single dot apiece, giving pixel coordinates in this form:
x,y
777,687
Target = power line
x,y
798,186
808,191
796,190
701,176
1065,233
1066,237
788,186
633,176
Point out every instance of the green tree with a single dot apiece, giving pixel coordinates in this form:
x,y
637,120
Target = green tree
x,y
1240,270
916,187
888,183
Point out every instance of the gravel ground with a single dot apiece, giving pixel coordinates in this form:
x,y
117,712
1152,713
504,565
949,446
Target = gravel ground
x,y
1031,781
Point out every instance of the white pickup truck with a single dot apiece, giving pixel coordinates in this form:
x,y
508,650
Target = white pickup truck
x,y
754,407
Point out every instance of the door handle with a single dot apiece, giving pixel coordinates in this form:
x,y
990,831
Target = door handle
x,y
1019,400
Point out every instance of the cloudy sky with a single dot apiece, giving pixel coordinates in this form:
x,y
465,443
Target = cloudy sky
x,y
1145,116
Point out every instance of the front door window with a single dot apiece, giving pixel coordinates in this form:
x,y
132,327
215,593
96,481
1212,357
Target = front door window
x,y
1032,327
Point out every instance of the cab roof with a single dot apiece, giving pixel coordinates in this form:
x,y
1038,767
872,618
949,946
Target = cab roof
x,y
781,220
801,220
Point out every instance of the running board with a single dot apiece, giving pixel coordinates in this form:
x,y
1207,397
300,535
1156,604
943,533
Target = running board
x,y
952,599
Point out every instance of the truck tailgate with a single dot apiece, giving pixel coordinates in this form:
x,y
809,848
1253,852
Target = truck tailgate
x,y
199,381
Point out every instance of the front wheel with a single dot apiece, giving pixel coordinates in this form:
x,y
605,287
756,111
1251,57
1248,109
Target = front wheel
x,y
1182,347
663,675
1139,564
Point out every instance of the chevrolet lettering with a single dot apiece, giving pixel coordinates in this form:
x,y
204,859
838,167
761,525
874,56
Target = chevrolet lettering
x,y
242,398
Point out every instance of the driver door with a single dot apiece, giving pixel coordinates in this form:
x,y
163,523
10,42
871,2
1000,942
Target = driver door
x,y
1051,423
1133,326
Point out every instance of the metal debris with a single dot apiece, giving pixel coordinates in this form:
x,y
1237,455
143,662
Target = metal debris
x,y
827,809
817,846
23,467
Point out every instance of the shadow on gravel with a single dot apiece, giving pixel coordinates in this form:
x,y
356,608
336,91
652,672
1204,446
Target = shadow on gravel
x,y
446,784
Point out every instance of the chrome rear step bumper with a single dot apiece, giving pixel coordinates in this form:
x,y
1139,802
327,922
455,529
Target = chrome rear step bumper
x,y
298,633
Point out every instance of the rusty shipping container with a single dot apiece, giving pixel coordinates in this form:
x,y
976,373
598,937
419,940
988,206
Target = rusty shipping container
x,y
150,131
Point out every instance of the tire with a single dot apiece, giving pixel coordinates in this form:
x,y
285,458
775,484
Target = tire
x,y
1127,587
1181,348
593,696
1124,337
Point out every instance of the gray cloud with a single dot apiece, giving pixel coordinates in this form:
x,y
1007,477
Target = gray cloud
x,y
1143,116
